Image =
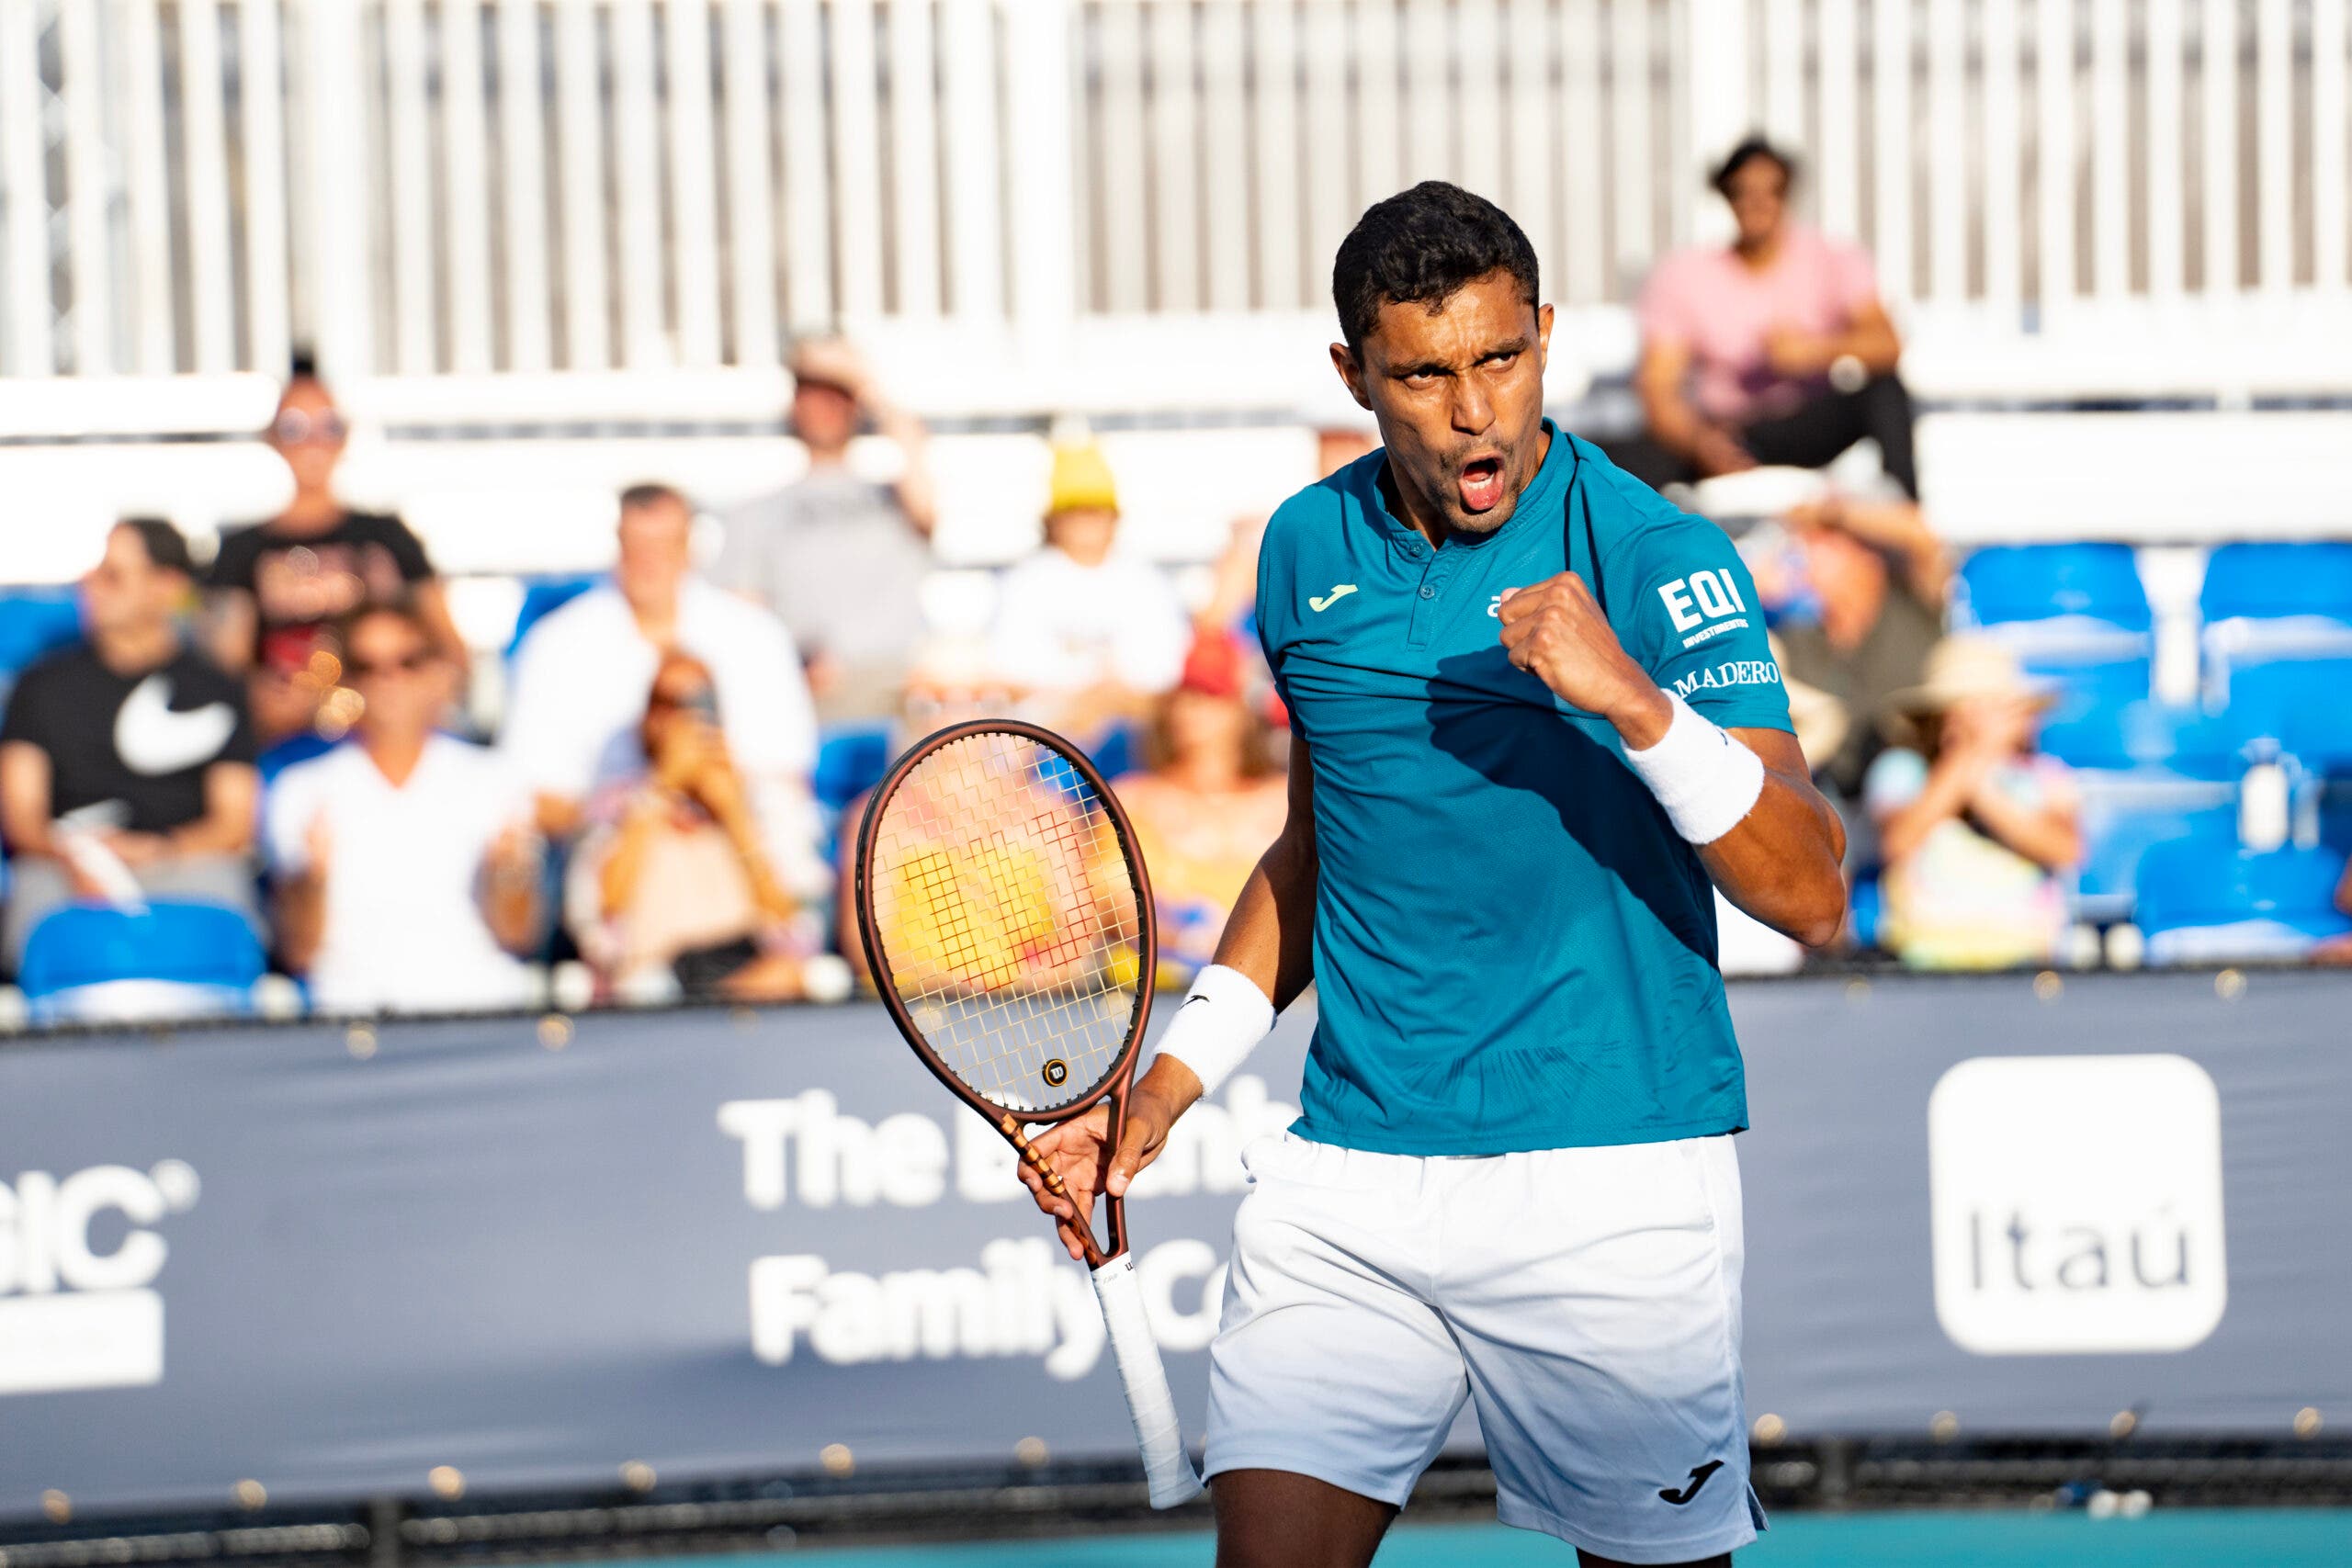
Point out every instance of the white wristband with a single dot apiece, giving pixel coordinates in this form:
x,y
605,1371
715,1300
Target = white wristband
x,y
1706,780
1222,1019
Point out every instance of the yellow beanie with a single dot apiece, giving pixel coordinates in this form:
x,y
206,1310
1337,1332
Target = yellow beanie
x,y
1081,481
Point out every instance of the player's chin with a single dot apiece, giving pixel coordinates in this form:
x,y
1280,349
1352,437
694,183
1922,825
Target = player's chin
x,y
1465,521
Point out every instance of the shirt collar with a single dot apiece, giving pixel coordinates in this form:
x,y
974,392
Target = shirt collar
x,y
1541,497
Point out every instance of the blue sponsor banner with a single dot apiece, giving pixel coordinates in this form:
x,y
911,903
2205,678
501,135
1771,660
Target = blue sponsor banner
x,y
332,1260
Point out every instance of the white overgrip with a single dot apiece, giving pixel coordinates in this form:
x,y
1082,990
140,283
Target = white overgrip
x,y
1166,1466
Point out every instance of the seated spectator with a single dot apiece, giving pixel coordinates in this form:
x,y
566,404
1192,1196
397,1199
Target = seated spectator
x,y
583,674
1857,598
1775,350
1092,634
670,892
407,873
281,585
126,758
840,558
1211,801
2337,949
1977,829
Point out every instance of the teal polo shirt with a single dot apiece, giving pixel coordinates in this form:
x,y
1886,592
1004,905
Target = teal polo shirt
x,y
1513,949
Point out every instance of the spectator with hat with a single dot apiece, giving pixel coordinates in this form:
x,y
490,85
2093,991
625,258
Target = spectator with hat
x,y
840,558
127,758
1978,829
1093,634
1775,349
1210,799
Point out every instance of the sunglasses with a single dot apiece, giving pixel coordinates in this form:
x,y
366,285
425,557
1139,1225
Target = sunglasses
x,y
702,703
406,664
295,428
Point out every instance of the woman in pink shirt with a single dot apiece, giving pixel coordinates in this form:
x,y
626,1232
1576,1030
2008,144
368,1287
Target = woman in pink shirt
x,y
1774,350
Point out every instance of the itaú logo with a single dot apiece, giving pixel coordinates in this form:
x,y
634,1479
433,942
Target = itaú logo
x,y
2077,1204
78,1256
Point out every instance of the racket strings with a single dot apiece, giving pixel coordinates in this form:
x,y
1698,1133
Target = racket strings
x,y
1008,920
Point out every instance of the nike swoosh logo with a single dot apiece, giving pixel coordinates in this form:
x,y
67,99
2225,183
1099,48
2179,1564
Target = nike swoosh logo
x,y
153,740
1333,597
1698,1478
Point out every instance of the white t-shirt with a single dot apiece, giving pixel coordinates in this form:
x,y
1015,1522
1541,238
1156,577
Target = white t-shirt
x,y
582,675
1061,626
404,927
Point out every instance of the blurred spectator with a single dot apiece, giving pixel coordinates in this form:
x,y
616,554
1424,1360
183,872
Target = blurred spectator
x,y
841,558
407,872
584,673
1208,804
1775,350
671,892
280,584
2338,949
1095,634
1857,598
1977,829
127,759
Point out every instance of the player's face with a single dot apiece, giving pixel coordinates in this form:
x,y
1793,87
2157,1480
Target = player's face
x,y
1459,394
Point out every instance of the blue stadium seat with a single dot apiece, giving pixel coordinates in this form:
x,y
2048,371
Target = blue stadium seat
x,y
543,596
2077,615
2131,735
850,759
32,622
2269,581
2005,583
2306,705
169,960
2203,900
2124,815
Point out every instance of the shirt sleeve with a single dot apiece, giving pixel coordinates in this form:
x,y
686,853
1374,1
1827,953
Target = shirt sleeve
x,y
233,563
1661,311
746,534
764,700
28,718
407,551
1894,782
1697,628
540,739
286,809
1853,279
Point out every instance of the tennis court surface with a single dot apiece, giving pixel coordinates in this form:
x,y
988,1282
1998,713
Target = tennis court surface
x,y
2188,1538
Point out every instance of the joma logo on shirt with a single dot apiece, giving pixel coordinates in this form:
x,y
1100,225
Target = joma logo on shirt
x,y
1702,597
1736,672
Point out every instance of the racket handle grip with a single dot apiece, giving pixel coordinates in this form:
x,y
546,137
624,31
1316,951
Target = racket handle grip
x,y
1166,1466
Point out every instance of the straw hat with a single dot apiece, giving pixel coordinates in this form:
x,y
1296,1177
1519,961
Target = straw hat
x,y
829,362
1958,668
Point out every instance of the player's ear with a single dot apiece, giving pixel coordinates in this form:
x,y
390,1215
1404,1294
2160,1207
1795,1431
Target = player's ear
x,y
1544,337
1351,369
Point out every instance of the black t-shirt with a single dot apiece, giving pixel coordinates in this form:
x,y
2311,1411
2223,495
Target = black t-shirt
x,y
144,739
301,582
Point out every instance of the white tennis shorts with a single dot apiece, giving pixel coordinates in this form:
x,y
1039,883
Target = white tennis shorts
x,y
1588,1299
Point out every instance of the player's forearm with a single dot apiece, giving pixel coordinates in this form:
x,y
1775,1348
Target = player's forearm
x,y
1270,935
1781,863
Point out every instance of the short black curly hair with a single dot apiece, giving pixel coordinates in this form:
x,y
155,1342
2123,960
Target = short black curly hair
x,y
1421,246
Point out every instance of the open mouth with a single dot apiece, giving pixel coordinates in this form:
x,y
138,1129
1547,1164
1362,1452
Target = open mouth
x,y
1480,483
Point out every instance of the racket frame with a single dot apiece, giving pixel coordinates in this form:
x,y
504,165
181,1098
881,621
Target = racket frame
x,y
1117,1082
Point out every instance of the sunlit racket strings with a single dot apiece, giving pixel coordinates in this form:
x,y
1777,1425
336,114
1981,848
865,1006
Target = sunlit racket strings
x,y
1008,920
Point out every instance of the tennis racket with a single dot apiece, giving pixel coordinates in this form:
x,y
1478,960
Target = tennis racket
x,y
1006,918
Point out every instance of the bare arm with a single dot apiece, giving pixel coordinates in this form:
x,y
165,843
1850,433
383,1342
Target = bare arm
x,y
511,891
232,794
232,619
433,604
1869,337
1900,528
25,800
1673,423
917,497
2051,836
1952,780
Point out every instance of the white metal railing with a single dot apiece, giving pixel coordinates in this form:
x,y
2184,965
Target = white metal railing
x,y
495,188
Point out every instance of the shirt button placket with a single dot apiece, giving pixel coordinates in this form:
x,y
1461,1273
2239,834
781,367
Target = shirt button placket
x,y
1425,612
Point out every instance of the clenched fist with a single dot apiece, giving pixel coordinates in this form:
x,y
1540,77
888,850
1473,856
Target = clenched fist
x,y
1556,631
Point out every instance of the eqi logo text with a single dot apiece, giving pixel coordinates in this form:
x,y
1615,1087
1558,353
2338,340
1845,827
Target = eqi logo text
x,y
77,1255
1709,599
2075,1204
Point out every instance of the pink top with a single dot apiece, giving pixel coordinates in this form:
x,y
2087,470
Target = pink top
x,y
1720,309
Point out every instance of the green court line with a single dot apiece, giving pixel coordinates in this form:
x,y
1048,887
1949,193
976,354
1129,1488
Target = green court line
x,y
2209,1537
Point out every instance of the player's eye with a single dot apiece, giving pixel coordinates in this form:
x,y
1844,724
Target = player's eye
x,y
1501,361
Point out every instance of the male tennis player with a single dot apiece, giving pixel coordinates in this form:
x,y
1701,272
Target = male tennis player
x,y
1536,719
